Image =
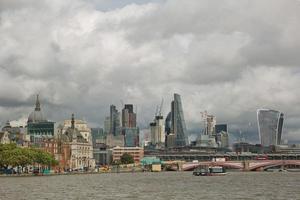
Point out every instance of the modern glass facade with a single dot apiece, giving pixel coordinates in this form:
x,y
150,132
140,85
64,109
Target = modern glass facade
x,y
221,127
178,122
270,124
131,136
114,120
128,116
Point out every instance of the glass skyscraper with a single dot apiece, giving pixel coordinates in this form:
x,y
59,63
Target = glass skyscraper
x,y
114,120
178,123
270,123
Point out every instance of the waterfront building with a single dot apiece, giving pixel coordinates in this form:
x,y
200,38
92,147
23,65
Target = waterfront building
x,y
81,148
38,127
222,139
102,156
73,150
157,130
270,124
131,136
242,147
136,152
178,127
114,121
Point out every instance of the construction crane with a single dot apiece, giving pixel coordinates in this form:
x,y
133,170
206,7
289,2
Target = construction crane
x,y
156,111
122,103
204,118
161,106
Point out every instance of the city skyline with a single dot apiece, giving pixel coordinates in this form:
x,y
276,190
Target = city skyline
x,y
118,120
83,56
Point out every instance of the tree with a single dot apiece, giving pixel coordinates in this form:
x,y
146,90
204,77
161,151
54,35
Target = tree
x,y
13,156
127,159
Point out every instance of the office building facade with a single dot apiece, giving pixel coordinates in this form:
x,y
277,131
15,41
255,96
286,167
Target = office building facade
x,y
178,122
270,124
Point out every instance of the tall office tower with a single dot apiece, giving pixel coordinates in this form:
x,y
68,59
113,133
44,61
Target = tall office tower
x,y
157,129
129,128
114,120
107,125
128,116
270,123
210,125
178,123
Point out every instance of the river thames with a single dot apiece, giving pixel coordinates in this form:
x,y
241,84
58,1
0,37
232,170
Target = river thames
x,y
165,185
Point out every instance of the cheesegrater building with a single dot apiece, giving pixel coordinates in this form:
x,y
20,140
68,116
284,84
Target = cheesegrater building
x,y
270,123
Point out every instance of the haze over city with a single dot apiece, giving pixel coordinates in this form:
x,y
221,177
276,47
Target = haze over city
x,y
82,56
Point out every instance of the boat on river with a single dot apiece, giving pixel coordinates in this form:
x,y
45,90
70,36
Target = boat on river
x,y
210,171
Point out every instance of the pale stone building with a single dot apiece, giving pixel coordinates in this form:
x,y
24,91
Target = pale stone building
x,y
81,126
80,144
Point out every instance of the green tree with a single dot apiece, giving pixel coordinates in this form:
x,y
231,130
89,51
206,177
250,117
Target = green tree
x,y
11,155
127,159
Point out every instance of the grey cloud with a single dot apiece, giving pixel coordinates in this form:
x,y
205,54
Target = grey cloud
x,y
229,58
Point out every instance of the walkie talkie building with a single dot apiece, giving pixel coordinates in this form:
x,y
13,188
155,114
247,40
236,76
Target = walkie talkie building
x,y
270,123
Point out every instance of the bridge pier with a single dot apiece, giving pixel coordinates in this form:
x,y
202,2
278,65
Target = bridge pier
x,y
246,165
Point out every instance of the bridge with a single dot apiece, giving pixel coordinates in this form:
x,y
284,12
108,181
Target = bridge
x,y
247,165
190,156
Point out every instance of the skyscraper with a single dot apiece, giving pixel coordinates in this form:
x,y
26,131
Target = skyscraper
x,y
114,120
128,116
270,123
178,123
129,128
157,129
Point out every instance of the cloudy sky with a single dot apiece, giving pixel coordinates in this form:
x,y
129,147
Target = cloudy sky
x,y
229,58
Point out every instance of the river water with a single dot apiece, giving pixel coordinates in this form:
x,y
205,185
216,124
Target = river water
x,y
152,186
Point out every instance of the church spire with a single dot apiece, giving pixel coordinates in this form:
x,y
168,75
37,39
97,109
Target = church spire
x,y
37,104
73,122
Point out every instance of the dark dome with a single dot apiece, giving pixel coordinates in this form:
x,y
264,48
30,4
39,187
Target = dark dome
x,y
36,115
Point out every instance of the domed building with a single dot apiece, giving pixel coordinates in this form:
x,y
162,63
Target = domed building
x,y
38,127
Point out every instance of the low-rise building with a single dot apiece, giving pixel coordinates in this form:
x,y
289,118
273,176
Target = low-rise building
x,y
136,152
4,137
